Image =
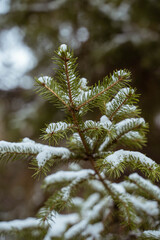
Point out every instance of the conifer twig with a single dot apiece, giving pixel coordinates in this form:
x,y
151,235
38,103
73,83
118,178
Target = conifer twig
x,y
106,89
68,81
116,110
72,108
60,99
99,176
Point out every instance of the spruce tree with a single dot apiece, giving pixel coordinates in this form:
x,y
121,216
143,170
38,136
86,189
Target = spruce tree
x,y
98,195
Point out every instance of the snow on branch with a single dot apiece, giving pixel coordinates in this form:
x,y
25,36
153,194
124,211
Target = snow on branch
x,y
91,210
27,146
151,235
103,123
125,128
46,80
116,162
143,205
49,152
19,224
121,155
119,74
145,185
59,225
68,176
56,127
120,98
129,124
99,91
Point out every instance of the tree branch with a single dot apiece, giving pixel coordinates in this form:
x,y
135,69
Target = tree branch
x,y
55,94
106,89
119,106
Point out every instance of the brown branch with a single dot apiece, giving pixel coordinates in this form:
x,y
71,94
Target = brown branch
x,y
106,89
68,81
80,132
60,99
72,108
99,176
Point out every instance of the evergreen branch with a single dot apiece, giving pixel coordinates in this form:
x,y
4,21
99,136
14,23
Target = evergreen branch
x,y
123,128
72,106
56,95
116,163
23,229
145,186
67,176
57,131
63,198
98,94
126,212
68,81
14,156
99,176
116,110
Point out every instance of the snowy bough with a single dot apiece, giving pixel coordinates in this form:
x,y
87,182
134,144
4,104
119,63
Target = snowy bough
x,y
100,195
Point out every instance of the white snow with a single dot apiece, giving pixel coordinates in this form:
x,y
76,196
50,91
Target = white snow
x,y
59,225
142,204
128,123
91,209
22,147
46,80
51,152
77,201
146,184
122,73
133,135
118,101
76,229
28,146
76,138
121,155
16,58
104,144
117,74
74,167
119,188
89,203
127,108
62,176
129,186
90,123
97,186
55,127
63,48
122,127
83,83
105,122
19,224
94,230
152,233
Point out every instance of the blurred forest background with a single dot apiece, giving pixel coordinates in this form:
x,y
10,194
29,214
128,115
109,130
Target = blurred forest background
x,y
105,35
